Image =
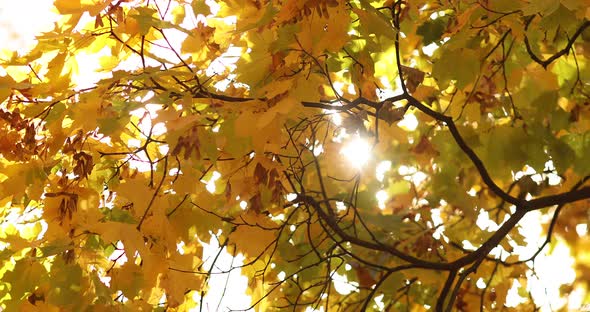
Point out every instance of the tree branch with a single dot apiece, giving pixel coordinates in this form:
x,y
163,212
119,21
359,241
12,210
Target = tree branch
x,y
559,53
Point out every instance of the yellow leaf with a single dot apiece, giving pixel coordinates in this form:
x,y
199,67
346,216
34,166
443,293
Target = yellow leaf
x,y
6,85
254,239
85,112
108,62
136,192
128,278
113,232
244,124
68,6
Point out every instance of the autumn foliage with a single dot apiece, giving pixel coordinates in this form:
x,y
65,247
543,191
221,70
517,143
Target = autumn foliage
x,y
247,123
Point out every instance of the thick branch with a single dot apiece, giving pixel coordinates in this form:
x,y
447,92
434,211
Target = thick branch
x,y
559,53
485,176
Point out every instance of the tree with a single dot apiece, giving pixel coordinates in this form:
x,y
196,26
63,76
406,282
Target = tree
x,y
228,119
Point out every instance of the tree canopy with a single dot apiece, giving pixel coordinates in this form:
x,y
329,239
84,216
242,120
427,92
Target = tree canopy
x,y
398,148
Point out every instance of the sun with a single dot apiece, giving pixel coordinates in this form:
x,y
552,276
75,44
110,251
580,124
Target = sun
x,y
357,151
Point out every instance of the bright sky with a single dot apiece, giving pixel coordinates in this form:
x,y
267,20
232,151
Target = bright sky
x,y
20,20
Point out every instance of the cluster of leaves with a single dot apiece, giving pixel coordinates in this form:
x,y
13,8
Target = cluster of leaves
x,y
227,118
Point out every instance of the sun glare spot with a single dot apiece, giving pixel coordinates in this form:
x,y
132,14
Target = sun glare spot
x,y
357,151
335,116
382,197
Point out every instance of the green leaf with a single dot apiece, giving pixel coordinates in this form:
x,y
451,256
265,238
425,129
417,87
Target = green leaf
x,y
543,7
432,30
461,66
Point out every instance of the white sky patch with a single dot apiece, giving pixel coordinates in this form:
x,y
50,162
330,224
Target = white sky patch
x,y
531,228
180,247
88,74
342,285
119,254
409,122
340,206
385,82
210,184
379,302
335,116
141,162
576,299
429,49
291,196
133,142
175,38
412,174
226,60
382,169
499,252
436,15
554,270
159,129
234,283
582,229
318,149
485,223
338,85
243,204
481,284
387,93
468,245
382,198
552,178
351,89
513,299
21,21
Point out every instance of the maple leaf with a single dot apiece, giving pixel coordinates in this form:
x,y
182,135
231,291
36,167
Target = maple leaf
x,y
150,151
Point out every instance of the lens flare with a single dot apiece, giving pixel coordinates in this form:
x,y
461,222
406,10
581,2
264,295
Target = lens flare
x,y
357,151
